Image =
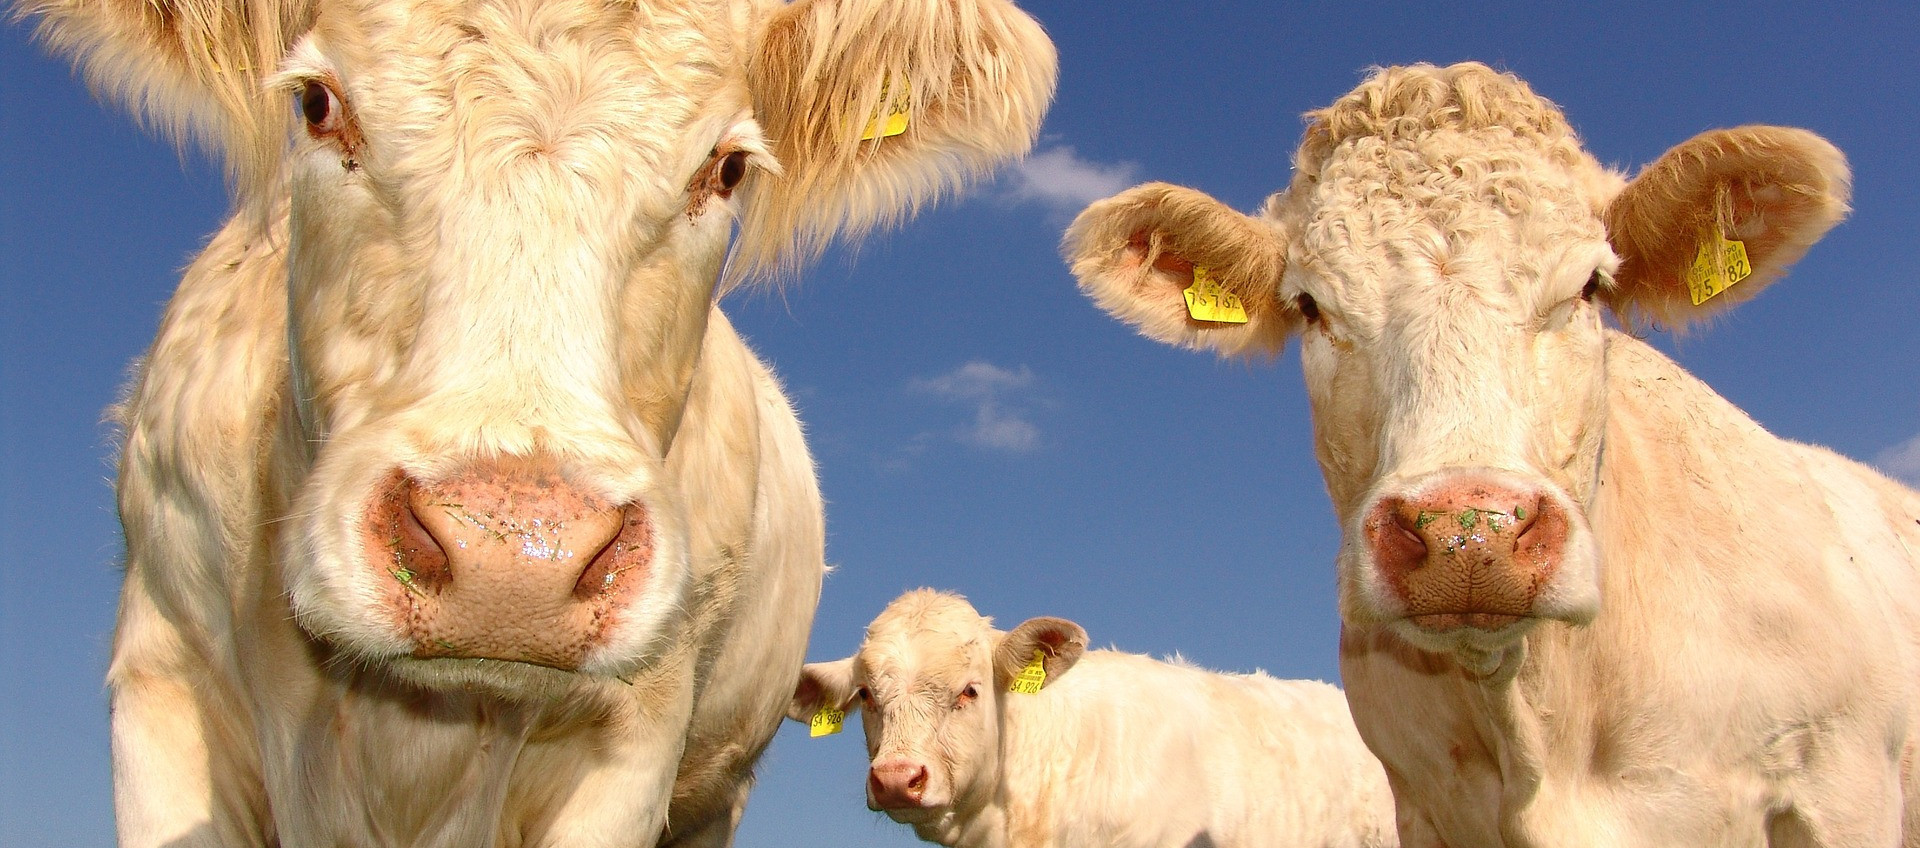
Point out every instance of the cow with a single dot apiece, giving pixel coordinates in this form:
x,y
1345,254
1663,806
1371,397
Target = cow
x,y
1585,600
456,513
983,739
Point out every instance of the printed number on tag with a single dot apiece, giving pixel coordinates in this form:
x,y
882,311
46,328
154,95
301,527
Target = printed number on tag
x,y
1032,677
826,722
1207,300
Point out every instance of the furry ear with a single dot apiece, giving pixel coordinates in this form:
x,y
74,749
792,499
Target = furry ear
x,y
192,68
822,684
1059,641
1775,189
970,80
1135,254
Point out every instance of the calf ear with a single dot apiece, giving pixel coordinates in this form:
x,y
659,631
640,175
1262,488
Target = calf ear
x,y
973,78
823,684
1777,190
1060,643
1135,255
193,68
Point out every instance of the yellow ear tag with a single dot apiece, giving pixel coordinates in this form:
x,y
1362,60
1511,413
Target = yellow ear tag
x,y
899,111
1032,677
1207,300
1720,263
826,722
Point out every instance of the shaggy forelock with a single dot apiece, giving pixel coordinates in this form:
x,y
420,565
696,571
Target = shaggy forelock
x,y
1410,101
935,634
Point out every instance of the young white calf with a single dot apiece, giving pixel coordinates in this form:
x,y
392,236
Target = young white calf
x,y
1125,751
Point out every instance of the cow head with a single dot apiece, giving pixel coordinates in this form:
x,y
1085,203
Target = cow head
x,y
1444,254
928,682
504,225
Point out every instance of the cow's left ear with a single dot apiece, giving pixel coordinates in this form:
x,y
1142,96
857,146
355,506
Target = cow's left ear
x,y
876,107
1775,190
1059,643
1144,252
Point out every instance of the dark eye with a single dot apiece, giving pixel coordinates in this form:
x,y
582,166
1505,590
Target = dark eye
x,y
732,170
967,696
1593,287
864,695
1308,308
319,106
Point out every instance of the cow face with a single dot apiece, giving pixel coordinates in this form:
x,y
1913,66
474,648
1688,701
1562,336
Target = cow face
x,y
503,226
928,682
1444,254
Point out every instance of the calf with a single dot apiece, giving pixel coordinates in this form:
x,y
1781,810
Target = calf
x,y
1586,600
983,739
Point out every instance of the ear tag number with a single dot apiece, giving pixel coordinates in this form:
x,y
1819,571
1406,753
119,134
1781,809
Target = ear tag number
x,y
899,110
826,722
1032,677
1207,300
1719,264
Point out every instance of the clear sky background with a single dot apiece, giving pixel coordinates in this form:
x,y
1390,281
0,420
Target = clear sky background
x,y
978,425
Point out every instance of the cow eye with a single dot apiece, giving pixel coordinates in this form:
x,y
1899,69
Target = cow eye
x,y
864,695
1308,307
967,696
1592,288
733,169
321,107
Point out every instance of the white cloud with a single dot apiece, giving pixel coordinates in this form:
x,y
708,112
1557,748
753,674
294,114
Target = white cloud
x,y
1902,461
995,394
1059,178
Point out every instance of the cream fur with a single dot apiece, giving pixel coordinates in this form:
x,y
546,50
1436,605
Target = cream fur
x,y
503,238
1116,749
1729,649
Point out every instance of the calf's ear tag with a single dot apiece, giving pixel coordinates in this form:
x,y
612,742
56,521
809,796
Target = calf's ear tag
x,y
1207,300
1033,676
826,722
1719,264
897,109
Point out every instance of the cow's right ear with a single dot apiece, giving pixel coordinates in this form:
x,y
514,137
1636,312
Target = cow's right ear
x,y
1056,642
822,684
1137,253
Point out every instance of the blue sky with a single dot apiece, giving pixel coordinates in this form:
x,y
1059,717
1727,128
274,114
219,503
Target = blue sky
x,y
978,425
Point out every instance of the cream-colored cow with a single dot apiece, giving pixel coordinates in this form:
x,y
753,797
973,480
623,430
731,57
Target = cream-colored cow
x,y
456,513
1586,601
1126,751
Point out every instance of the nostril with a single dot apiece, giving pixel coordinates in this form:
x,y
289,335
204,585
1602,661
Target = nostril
x,y
422,556
625,550
918,784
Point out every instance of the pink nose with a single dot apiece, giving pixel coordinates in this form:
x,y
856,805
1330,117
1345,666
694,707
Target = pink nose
x,y
896,784
505,560
1468,552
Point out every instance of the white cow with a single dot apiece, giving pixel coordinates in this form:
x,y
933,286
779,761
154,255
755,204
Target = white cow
x,y
1586,601
456,513
1125,751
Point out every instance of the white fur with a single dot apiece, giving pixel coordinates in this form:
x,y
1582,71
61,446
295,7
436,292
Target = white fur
x,y
506,240
1729,653
1116,750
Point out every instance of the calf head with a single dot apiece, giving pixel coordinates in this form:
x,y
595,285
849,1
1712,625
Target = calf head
x,y
928,682
1444,254
504,225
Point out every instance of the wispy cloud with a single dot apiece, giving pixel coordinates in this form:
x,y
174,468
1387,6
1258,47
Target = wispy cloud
x,y
1057,177
1902,461
997,397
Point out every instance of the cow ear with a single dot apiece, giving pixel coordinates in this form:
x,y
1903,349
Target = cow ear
x,y
1058,641
1775,190
193,68
1136,254
876,107
822,684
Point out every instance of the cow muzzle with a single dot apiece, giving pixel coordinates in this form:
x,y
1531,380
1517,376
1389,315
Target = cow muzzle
x,y
505,560
1466,551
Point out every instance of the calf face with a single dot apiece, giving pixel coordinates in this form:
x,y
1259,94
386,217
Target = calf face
x,y
928,682
1444,253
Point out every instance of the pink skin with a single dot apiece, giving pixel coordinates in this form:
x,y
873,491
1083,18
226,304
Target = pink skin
x,y
505,560
1468,551
896,785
